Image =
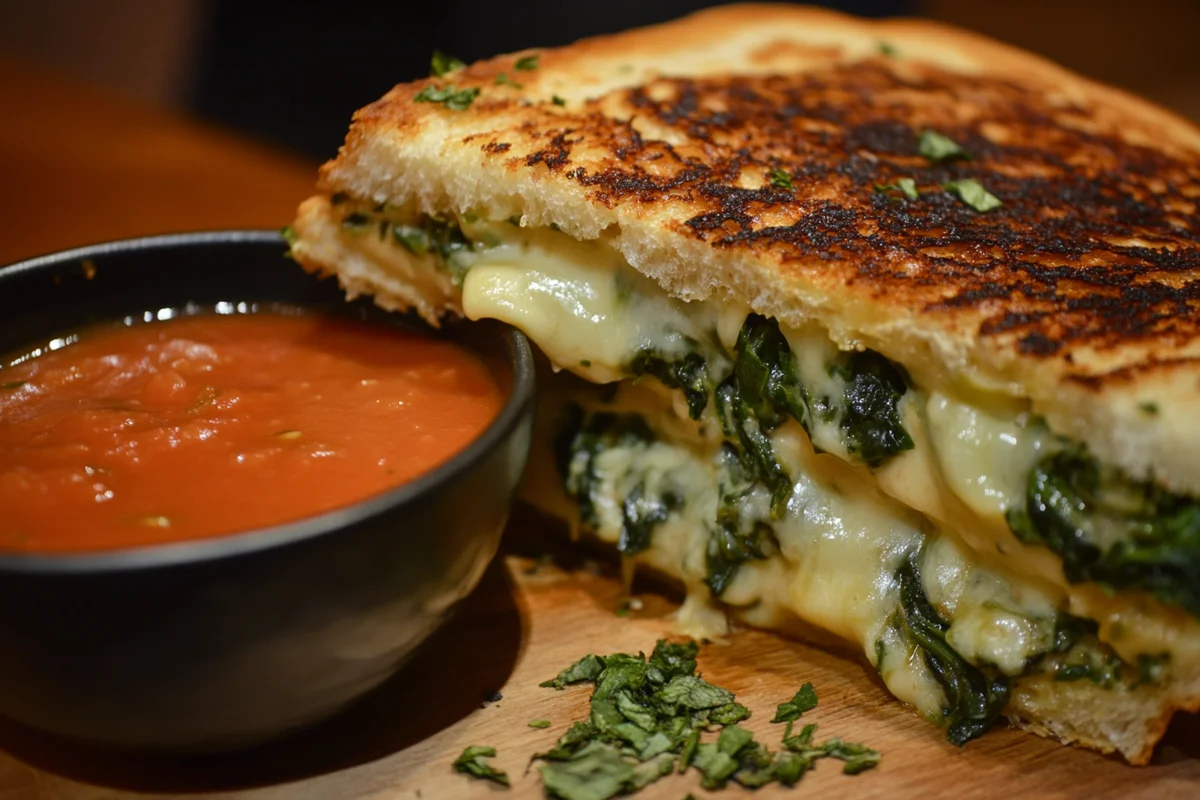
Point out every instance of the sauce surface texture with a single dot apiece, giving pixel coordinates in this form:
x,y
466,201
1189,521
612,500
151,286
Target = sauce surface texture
x,y
210,425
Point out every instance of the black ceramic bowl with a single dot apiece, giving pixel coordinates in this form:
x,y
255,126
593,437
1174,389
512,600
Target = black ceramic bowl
x,y
222,643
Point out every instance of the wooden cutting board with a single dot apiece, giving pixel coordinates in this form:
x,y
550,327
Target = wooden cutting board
x,y
526,621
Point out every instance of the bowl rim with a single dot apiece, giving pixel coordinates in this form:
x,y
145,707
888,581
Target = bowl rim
x,y
517,404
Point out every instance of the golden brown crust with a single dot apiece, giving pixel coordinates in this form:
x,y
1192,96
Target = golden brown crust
x,y
667,139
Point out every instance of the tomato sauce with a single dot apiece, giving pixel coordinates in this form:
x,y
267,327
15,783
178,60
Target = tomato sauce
x,y
209,425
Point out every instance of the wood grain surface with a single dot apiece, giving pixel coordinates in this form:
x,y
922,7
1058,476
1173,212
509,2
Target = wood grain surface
x,y
527,620
82,166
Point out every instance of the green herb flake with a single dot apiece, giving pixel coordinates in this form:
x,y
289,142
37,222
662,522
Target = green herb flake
x,y
1149,407
716,766
972,193
804,701
587,668
503,80
12,385
887,49
526,63
905,186
442,63
936,147
450,97
688,691
780,179
856,757
596,772
289,235
558,101
646,719
539,723
471,762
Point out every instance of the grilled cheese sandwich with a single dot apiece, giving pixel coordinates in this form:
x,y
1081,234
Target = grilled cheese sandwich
x,y
815,374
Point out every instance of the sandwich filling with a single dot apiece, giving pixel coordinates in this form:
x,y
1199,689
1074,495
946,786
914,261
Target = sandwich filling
x,y
968,550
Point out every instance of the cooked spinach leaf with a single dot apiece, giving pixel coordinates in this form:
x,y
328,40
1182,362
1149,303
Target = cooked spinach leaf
x,y
688,373
582,442
869,412
974,698
736,538
1111,530
642,513
757,397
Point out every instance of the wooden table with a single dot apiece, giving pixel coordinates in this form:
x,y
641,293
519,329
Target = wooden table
x,y
83,166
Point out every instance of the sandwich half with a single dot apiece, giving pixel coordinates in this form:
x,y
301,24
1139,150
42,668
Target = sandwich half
x,y
880,332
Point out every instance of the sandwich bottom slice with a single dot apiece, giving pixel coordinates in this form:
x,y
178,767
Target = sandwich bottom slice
x,y
793,483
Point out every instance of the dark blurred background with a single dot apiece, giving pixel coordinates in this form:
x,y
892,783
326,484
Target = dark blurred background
x,y
291,72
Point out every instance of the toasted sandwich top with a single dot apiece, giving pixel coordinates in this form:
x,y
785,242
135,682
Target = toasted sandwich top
x,y
773,157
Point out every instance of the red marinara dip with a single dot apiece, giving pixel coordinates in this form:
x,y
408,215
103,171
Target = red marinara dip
x,y
209,425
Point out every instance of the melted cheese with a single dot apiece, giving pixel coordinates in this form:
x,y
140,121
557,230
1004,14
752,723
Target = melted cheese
x,y
587,311
847,528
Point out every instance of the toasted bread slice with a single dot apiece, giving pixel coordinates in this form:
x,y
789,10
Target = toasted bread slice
x,y
1081,292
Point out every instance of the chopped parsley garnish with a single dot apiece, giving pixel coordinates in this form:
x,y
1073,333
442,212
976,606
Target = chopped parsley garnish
x,y
587,668
648,717
973,194
452,98
858,758
780,179
13,385
471,762
539,723
442,63
936,147
805,700
503,80
887,49
905,186
526,63
1148,407
558,101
